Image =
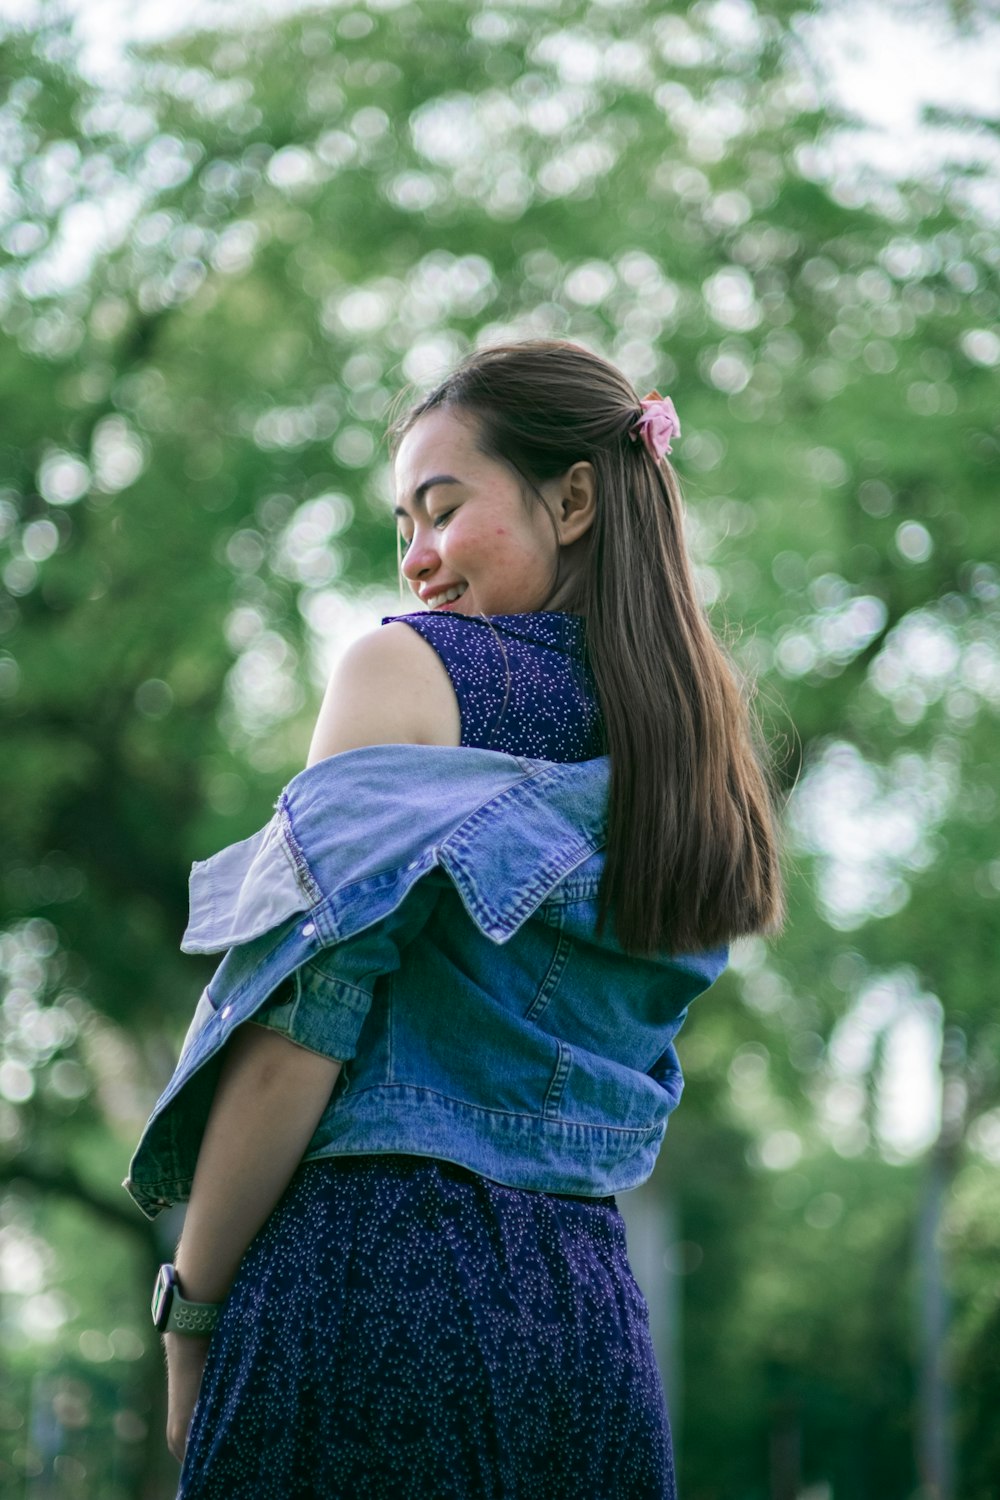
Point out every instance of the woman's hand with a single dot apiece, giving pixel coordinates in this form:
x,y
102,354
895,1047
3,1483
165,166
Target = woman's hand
x,y
186,1355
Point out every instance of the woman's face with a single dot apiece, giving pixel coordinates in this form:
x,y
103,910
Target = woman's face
x,y
473,545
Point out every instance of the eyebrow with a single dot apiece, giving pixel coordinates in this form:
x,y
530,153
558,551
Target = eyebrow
x,y
420,492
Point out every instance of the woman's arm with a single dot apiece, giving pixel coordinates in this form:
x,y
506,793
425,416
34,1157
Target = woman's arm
x,y
271,1093
268,1102
390,687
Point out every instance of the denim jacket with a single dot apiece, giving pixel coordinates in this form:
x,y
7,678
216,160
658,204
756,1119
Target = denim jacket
x,y
427,915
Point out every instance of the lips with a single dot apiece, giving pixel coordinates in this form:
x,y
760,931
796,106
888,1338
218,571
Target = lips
x,y
438,598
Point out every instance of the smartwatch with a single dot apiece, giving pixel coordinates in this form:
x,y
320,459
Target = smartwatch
x,y
172,1313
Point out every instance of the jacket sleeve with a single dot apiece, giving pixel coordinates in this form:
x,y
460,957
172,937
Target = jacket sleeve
x,y
322,1005
294,975
294,960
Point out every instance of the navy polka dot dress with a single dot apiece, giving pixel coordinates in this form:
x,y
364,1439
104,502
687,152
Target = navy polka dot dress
x,y
404,1329
522,681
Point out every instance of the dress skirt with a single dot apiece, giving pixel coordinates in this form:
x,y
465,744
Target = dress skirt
x,y
404,1329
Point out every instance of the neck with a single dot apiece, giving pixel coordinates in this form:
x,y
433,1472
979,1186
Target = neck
x,y
567,592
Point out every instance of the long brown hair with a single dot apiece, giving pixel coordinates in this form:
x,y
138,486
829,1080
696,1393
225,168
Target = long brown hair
x,y
692,852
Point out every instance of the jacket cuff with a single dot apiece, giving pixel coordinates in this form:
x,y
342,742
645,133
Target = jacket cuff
x,y
318,1012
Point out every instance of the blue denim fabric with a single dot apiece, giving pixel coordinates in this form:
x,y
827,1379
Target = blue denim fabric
x,y
427,915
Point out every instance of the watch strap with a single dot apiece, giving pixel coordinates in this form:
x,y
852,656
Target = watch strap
x,y
191,1317
173,1313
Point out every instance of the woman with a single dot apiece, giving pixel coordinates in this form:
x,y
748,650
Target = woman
x,y
457,960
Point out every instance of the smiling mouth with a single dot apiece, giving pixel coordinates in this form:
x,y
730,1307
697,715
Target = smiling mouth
x,y
447,596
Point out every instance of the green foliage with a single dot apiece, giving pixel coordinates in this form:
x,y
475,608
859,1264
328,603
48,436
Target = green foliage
x,y
297,223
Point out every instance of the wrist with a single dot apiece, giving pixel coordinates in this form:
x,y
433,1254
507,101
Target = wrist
x,y
173,1312
203,1289
205,1268
186,1348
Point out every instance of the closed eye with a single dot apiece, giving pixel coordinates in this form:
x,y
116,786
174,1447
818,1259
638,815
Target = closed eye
x,y
404,542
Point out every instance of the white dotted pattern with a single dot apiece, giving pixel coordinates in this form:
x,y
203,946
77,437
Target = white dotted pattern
x,y
522,681
403,1329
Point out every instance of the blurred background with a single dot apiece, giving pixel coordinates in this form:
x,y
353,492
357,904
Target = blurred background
x,y
224,248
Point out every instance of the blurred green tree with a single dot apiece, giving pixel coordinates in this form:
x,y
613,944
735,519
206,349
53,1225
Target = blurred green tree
x,y
216,271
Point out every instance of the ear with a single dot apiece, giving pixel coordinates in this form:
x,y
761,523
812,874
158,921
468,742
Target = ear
x,y
576,503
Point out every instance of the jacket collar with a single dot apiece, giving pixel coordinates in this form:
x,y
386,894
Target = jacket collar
x,y
351,834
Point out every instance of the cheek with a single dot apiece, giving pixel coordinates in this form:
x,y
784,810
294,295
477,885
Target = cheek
x,y
496,545
510,545
484,545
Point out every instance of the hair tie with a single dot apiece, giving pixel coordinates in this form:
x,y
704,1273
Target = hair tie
x,y
656,425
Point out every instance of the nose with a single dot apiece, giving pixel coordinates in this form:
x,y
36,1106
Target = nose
x,y
420,557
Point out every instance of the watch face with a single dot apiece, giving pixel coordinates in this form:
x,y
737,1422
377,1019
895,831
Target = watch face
x,y
163,1295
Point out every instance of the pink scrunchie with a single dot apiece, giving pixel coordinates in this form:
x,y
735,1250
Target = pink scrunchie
x,y
657,425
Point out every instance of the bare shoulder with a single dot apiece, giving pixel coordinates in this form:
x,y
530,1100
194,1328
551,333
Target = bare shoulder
x,y
390,687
